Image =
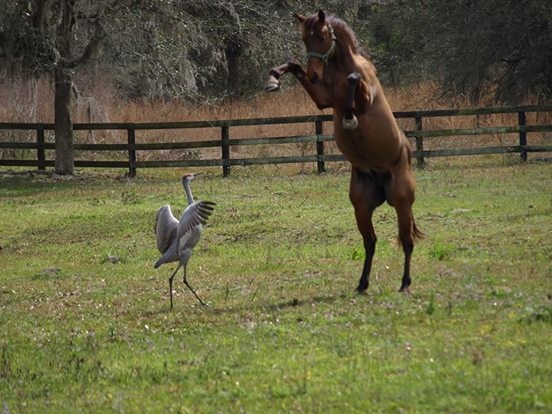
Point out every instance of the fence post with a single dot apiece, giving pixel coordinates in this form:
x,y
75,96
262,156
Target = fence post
x,y
131,152
522,121
225,148
318,130
420,162
40,149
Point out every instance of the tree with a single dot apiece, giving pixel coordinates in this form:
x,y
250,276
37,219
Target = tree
x,y
54,37
210,49
467,45
198,49
65,63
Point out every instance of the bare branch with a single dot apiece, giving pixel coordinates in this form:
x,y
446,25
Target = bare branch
x,y
90,48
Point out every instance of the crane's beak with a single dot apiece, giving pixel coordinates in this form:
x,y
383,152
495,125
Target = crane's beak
x,y
198,174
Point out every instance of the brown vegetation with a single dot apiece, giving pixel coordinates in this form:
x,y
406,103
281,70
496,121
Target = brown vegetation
x,y
94,101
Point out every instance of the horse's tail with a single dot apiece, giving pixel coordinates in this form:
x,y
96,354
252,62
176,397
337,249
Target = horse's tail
x,y
417,234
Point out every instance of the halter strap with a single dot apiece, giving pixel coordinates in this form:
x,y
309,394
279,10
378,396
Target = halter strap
x,y
324,56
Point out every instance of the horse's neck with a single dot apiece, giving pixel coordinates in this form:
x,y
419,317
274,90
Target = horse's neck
x,y
350,60
345,57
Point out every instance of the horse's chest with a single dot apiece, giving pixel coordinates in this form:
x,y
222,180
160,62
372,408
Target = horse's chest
x,y
365,151
355,148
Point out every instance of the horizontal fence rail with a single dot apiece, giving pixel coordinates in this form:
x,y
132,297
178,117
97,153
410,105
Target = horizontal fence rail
x,y
225,143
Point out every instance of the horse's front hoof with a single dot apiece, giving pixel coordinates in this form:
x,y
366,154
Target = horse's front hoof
x,y
350,123
272,84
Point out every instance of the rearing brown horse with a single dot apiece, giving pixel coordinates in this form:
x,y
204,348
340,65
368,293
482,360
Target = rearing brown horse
x,y
338,76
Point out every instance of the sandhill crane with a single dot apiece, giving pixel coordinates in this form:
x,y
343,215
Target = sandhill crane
x,y
176,239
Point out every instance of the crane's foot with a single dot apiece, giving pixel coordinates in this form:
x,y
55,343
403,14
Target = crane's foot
x,y
200,301
195,294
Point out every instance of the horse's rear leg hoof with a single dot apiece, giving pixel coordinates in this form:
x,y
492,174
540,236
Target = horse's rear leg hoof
x,y
405,290
361,289
350,123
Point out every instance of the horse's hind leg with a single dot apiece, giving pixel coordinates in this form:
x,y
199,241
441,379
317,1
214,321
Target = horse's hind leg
x,y
407,241
400,194
365,196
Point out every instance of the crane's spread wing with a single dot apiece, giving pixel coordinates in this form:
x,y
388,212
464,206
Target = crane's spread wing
x,y
166,226
194,215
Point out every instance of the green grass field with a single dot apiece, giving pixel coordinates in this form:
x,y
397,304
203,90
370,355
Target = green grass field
x,y
85,324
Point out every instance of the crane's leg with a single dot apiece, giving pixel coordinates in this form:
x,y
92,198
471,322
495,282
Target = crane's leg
x,y
171,282
189,287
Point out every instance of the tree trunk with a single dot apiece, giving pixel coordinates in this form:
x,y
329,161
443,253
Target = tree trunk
x,y
233,52
62,100
65,164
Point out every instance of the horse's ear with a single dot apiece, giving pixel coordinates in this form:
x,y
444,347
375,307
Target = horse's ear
x,y
300,18
321,16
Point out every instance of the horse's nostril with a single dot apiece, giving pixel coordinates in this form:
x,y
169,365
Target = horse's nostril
x,y
314,78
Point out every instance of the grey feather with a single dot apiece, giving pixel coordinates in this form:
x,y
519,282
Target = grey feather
x,y
165,228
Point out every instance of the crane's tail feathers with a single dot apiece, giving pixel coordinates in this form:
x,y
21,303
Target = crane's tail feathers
x,y
164,259
170,255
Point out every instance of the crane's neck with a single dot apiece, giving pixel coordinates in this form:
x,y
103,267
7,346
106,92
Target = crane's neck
x,y
188,191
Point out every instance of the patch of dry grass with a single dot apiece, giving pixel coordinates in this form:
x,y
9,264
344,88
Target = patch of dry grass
x,y
96,102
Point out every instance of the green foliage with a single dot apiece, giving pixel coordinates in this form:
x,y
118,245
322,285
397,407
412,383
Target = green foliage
x,y
469,47
197,49
358,254
278,263
430,310
440,251
542,314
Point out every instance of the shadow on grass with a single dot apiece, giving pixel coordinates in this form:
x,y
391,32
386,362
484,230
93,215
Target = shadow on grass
x,y
282,305
266,307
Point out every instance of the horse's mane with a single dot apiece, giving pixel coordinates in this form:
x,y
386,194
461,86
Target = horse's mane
x,y
343,28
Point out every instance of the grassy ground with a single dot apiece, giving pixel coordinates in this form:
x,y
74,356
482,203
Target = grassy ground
x,y
85,324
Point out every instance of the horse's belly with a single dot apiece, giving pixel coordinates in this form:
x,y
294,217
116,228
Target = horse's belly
x,y
370,146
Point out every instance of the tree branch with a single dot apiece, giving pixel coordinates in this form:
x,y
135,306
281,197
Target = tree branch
x,y
89,50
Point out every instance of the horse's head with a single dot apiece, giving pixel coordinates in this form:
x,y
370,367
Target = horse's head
x,y
319,39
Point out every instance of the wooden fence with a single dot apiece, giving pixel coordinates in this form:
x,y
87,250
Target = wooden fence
x,y
419,134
